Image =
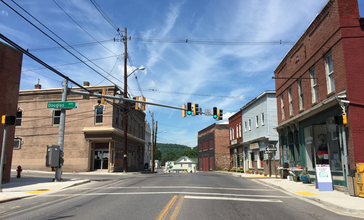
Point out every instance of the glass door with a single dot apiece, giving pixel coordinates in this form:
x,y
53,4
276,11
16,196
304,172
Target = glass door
x,y
101,159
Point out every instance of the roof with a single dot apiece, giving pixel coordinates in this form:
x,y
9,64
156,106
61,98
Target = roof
x,y
188,160
257,98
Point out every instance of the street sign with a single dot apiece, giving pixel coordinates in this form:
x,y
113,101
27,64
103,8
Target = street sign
x,y
208,112
271,147
61,105
268,152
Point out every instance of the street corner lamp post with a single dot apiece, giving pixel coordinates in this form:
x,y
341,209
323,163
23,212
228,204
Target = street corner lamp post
x,y
125,125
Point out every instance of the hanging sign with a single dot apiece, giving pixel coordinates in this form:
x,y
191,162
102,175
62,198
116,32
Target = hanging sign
x,y
323,177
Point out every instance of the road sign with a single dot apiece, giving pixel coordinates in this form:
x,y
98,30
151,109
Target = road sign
x,y
61,105
271,147
208,112
268,152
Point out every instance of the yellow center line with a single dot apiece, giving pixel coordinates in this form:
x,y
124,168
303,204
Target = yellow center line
x,y
166,209
178,207
15,207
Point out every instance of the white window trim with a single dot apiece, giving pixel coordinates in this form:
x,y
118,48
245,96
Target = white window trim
x,y
103,109
313,85
282,107
237,130
250,125
330,80
300,93
290,101
262,119
256,121
245,127
240,129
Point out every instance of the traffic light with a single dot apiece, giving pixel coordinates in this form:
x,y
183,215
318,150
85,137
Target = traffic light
x,y
214,113
142,105
189,108
195,109
136,103
8,120
102,100
184,111
341,119
219,114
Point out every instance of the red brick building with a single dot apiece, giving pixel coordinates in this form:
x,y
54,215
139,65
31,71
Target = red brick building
x,y
319,79
236,140
212,147
10,69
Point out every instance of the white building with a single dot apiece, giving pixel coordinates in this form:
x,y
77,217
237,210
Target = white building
x,y
183,164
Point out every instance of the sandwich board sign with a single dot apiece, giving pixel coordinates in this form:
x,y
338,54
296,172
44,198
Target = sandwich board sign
x,y
323,177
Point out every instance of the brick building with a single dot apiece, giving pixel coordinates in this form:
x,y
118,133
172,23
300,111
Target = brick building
x,y
93,137
320,78
10,69
236,140
213,151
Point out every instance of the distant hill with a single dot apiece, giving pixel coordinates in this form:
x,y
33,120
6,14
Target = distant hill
x,y
177,148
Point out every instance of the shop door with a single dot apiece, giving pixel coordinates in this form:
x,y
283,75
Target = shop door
x,y
101,159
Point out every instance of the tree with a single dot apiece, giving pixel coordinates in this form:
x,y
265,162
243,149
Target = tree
x,y
170,156
191,153
158,155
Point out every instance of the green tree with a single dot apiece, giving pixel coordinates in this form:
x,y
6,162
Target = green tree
x,y
158,155
170,156
191,153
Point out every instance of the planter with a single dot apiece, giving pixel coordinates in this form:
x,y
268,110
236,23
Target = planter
x,y
304,179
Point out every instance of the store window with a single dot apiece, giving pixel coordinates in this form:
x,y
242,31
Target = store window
x,y
261,159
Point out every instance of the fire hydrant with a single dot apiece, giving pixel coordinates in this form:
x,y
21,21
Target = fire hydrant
x,y
18,171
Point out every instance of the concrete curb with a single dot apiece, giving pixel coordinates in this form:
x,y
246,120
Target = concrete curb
x,y
77,184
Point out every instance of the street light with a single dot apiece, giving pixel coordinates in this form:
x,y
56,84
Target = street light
x,y
140,68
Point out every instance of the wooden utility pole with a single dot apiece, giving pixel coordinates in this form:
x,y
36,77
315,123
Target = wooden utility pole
x,y
125,167
155,141
153,158
274,162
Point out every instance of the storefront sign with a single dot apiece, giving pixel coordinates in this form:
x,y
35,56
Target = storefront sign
x,y
254,146
234,142
323,177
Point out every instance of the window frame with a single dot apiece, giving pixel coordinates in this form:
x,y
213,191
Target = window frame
x,y
18,119
54,117
314,91
262,118
300,94
19,143
99,115
250,125
240,130
245,127
257,121
282,107
290,101
330,78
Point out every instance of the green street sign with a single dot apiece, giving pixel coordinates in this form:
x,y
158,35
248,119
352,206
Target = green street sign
x,y
61,105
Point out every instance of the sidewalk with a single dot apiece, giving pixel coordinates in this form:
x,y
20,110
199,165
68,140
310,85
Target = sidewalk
x,y
333,199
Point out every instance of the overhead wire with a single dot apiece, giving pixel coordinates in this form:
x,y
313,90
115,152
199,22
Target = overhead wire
x,y
104,15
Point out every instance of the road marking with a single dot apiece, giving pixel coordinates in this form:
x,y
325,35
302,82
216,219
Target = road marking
x,y
154,193
179,187
177,208
38,191
232,199
15,207
166,209
307,193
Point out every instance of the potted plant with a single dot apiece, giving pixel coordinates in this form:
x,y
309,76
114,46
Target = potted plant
x,y
241,170
256,172
265,174
260,172
304,176
234,169
247,171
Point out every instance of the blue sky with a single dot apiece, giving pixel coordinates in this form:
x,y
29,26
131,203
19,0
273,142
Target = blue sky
x,y
213,72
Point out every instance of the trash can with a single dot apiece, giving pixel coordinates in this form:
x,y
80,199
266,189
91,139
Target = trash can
x,y
359,179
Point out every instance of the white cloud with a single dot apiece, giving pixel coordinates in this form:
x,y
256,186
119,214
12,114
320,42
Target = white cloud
x,y
4,13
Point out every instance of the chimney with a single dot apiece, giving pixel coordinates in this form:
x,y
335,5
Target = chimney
x,y
85,83
38,86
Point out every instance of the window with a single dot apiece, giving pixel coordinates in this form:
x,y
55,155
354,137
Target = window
x,y
262,118
300,93
329,73
256,121
117,117
17,143
56,117
313,85
237,131
240,129
99,113
233,133
19,115
250,125
282,107
290,101
231,137
245,127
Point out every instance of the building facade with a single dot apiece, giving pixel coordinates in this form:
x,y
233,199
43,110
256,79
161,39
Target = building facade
x,y
236,140
318,81
213,151
93,137
10,69
259,118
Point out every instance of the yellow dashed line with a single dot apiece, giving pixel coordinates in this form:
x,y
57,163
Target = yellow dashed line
x,y
15,207
307,194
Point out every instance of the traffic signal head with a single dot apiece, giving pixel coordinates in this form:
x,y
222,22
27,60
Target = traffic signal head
x,y
136,103
102,100
189,108
195,109
219,114
142,105
184,111
8,120
214,113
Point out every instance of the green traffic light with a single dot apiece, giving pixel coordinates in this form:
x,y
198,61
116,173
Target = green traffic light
x,y
215,116
189,112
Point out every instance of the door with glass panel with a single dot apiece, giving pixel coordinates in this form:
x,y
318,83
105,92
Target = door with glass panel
x,y
101,159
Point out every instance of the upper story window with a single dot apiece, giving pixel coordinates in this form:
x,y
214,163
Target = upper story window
x,y
99,114
290,101
231,135
17,143
313,85
262,119
245,127
56,117
256,121
19,115
282,107
300,93
250,125
117,117
329,73
240,129
237,131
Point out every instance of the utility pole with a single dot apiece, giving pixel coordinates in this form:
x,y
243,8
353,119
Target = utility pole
x,y
58,176
152,167
125,167
155,141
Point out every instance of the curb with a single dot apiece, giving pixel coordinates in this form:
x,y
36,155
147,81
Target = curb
x,y
331,205
77,184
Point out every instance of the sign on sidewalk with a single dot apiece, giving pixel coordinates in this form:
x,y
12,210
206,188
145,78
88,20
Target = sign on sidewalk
x,y
323,177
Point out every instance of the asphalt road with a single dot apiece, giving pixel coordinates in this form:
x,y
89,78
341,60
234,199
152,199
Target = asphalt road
x,y
167,196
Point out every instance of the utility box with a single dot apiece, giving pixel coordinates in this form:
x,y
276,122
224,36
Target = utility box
x,y
54,155
359,179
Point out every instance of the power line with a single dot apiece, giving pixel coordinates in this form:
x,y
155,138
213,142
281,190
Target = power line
x,y
104,15
71,46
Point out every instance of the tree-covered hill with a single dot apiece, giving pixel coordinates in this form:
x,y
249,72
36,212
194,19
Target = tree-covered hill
x,y
171,152
166,148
